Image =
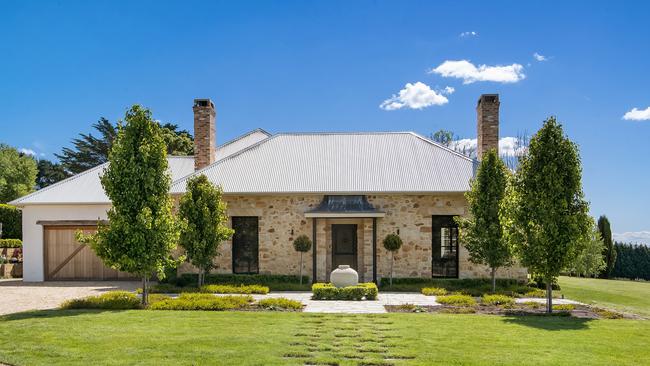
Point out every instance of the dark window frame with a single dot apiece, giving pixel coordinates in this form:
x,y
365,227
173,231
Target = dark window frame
x,y
256,246
437,223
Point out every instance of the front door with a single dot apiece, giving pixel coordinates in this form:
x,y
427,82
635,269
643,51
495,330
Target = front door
x,y
344,245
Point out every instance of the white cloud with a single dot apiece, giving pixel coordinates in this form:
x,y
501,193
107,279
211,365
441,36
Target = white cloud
x,y
469,34
637,237
508,146
25,151
465,70
448,90
637,115
539,57
414,96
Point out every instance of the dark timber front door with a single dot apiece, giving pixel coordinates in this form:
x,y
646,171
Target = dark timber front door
x,y
344,245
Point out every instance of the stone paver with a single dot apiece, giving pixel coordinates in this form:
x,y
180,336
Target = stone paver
x,y
17,296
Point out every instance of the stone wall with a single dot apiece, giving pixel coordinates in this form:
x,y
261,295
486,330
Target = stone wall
x,y
281,220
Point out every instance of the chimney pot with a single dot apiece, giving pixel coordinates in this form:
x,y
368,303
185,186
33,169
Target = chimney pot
x,y
487,113
205,135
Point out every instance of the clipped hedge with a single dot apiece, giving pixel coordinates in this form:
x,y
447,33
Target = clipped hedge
x,y
273,281
471,286
456,300
11,243
11,219
327,291
193,301
434,291
497,300
280,303
232,289
112,300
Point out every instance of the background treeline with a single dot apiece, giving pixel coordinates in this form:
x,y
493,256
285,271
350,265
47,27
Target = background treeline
x,y
632,261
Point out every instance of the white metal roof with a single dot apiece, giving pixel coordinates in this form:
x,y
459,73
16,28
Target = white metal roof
x,y
343,163
86,188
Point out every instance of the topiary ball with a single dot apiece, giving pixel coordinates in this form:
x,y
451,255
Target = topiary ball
x,y
302,243
392,242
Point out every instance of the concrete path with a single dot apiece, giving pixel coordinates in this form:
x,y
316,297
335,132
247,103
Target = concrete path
x,y
354,307
17,296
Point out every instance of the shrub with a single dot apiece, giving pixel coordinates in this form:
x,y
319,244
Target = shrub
x,y
564,307
11,243
157,297
280,303
232,289
533,304
497,300
239,279
112,300
193,301
327,291
434,291
607,314
537,293
471,286
456,300
12,222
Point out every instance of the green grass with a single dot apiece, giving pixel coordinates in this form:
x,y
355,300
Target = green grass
x,y
621,295
83,337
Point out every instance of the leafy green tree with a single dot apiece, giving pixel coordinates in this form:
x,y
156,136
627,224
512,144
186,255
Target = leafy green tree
x,y
88,150
482,233
203,218
141,232
443,137
17,173
392,243
49,173
548,215
589,259
609,253
302,244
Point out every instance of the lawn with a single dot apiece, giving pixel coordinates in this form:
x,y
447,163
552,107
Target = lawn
x,y
622,295
76,337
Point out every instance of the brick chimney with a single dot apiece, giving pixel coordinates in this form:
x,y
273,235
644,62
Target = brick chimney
x,y
205,135
487,112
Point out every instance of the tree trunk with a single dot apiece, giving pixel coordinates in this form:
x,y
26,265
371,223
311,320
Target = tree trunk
x,y
200,278
392,260
549,296
301,268
145,291
494,280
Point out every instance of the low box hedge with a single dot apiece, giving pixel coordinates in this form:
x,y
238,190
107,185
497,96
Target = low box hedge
x,y
11,243
456,300
274,282
497,300
112,300
327,291
434,291
279,303
194,301
233,289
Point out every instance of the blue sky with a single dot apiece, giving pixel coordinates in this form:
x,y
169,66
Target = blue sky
x,y
329,65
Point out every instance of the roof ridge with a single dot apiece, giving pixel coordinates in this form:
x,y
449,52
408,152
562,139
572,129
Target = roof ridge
x,y
345,133
244,135
441,146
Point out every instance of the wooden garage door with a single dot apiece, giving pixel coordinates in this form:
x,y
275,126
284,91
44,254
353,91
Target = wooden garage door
x,y
66,259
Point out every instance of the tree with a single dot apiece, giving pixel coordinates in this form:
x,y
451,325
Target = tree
x,y
589,260
203,218
482,233
17,173
90,151
302,244
392,243
609,253
49,173
547,217
443,137
141,232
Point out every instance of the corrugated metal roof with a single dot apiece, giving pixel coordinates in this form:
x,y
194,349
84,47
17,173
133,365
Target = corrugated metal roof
x,y
341,163
86,187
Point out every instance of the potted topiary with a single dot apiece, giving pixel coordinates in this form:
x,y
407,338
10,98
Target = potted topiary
x,y
392,243
302,244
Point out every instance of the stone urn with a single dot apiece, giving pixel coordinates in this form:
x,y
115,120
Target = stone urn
x,y
344,276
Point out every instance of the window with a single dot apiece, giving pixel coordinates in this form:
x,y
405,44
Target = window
x,y
445,247
245,245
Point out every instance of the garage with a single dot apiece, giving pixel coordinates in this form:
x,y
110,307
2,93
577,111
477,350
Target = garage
x,y
67,259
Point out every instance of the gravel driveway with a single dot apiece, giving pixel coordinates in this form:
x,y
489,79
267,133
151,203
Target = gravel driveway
x,y
17,296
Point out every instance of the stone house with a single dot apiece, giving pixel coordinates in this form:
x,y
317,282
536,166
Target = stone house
x,y
346,191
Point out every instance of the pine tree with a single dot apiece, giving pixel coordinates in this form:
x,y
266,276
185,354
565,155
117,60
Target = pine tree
x,y
609,253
